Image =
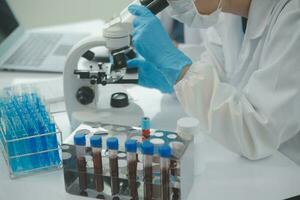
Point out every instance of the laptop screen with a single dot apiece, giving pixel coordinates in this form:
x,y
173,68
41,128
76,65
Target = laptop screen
x,y
8,22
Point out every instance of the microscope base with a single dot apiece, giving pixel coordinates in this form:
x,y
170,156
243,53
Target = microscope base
x,y
130,115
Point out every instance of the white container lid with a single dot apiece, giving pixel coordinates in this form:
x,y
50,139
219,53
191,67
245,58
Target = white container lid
x,y
188,127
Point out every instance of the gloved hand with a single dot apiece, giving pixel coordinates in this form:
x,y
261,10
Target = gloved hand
x,y
150,76
153,43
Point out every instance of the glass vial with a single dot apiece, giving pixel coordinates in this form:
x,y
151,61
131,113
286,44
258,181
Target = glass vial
x,y
165,154
148,151
96,144
131,148
112,144
80,142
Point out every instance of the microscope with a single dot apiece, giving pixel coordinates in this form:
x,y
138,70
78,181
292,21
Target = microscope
x,y
88,89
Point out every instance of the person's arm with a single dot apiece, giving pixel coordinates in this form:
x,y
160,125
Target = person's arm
x,y
254,121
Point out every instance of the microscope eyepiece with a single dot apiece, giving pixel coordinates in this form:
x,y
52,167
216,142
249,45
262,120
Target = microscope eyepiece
x,y
155,6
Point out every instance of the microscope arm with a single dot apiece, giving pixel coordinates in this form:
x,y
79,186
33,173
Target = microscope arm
x,y
71,82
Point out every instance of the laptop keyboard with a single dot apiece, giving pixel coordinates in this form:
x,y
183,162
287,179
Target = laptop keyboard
x,y
34,50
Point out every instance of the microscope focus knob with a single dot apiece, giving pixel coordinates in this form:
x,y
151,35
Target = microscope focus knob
x,y
85,95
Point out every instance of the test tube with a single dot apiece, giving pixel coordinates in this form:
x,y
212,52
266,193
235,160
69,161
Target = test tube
x,y
175,191
148,151
52,144
131,148
112,144
145,124
165,153
96,144
34,144
80,142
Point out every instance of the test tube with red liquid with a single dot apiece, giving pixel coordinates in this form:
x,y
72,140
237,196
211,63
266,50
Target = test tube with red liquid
x,y
131,148
165,153
112,144
148,151
80,142
96,144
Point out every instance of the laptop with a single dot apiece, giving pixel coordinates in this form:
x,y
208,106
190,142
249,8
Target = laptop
x,y
29,50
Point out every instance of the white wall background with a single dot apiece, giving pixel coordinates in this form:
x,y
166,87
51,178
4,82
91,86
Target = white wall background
x,y
35,13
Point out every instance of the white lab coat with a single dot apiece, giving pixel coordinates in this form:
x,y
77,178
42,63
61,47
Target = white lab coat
x,y
246,89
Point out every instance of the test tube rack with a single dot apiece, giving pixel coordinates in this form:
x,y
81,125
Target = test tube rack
x,y
24,158
181,167
29,138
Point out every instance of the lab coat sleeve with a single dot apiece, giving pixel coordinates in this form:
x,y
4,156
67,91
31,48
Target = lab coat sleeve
x,y
255,120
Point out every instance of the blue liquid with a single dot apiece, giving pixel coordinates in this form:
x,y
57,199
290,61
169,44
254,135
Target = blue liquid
x,y
22,116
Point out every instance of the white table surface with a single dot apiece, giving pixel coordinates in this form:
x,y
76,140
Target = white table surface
x,y
225,176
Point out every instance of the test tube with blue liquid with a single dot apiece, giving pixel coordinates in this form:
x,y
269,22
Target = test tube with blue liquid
x,y
48,142
15,131
35,144
45,126
26,116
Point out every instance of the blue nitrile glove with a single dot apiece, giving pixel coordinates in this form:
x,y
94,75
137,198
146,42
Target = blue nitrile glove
x,y
153,43
150,76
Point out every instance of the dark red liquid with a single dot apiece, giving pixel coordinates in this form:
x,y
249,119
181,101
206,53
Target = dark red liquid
x,y
81,167
176,191
114,173
148,183
98,171
146,134
165,182
132,165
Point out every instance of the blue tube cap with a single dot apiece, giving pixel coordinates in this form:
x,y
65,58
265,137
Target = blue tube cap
x,y
112,143
147,148
165,151
145,124
79,139
131,146
96,141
